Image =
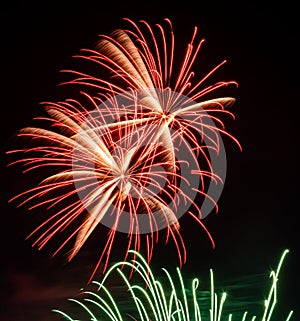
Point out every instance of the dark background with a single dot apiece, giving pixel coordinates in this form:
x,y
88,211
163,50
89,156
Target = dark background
x,y
258,209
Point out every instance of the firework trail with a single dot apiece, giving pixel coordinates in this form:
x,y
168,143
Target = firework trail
x,y
164,301
131,147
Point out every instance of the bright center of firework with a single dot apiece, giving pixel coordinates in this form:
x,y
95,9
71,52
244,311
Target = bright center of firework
x,y
166,116
123,177
124,184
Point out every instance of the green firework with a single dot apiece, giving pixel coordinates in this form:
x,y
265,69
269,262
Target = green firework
x,y
171,301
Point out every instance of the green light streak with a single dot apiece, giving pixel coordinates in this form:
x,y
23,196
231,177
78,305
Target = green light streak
x,y
155,302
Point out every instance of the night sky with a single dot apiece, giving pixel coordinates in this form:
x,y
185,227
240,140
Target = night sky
x,y
258,209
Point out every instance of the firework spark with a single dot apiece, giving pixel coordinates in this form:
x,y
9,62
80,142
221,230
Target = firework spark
x,y
169,301
131,147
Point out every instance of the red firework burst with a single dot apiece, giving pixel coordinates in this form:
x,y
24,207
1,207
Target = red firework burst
x,y
129,150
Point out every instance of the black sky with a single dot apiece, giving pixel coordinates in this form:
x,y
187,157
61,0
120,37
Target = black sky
x,y
258,209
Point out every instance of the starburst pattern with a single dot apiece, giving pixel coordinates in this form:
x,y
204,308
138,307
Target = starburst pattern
x,y
119,146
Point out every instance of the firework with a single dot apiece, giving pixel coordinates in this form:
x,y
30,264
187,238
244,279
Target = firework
x,y
133,151
171,100
171,300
